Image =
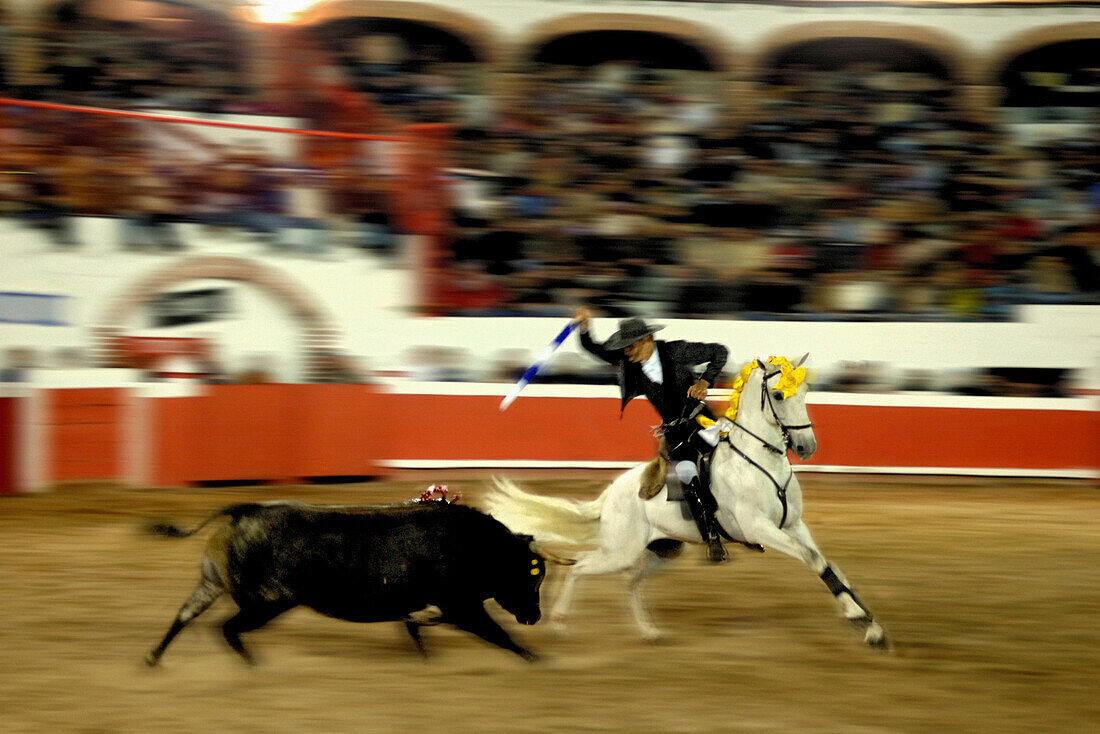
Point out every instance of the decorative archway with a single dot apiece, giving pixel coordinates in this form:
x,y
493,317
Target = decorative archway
x,y
478,34
959,62
713,46
1033,39
319,333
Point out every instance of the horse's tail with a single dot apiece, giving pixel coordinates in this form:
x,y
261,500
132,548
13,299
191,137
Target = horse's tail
x,y
551,519
171,530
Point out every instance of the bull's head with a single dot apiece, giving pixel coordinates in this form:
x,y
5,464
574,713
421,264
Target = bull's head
x,y
522,577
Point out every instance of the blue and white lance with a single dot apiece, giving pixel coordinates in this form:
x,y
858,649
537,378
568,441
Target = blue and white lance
x,y
538,365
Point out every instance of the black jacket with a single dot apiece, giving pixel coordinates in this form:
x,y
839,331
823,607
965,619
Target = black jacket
x,y
677,360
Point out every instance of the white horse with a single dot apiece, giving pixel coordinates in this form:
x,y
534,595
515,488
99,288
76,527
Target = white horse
x,y
758,495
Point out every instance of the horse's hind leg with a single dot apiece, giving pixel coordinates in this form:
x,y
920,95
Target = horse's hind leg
x,y
797,542
201,598
596,562
648,563
623,536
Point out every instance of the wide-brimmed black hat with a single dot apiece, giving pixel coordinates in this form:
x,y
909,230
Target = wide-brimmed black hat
x,y
630,331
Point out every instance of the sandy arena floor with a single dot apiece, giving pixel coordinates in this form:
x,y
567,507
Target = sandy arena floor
x,y
989,590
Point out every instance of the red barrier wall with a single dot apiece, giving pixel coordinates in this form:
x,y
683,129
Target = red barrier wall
x,y
457,427
84,429
285,433
8,453
883,436
579,429
265,432
340,430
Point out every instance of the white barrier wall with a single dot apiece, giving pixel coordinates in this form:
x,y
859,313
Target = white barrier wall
x,y
368,302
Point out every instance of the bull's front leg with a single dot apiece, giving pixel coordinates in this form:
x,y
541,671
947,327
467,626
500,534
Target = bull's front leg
x,y
476,620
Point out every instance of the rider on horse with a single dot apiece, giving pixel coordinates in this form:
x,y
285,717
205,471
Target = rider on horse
x,y
663,372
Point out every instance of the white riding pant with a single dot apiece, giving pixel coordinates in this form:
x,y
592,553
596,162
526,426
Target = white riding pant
x,y
686,471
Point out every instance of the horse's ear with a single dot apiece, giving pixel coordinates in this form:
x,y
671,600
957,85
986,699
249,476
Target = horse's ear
x,y
762,365
801,359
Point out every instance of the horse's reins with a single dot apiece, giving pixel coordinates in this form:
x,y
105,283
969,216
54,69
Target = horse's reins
x,y
780,490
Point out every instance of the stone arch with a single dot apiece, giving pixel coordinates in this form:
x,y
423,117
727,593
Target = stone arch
x,y
712,45
1031,39
1034,38
318,327
957,59
478,34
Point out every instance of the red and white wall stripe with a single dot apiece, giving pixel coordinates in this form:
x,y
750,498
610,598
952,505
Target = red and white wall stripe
x,y
175,435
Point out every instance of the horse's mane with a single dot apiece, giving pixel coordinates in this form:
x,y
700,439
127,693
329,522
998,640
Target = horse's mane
x,y
789,381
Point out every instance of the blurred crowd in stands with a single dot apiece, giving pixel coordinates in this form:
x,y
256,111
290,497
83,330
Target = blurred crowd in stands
x,y
179,57
62,165
852,194
447,364
859,192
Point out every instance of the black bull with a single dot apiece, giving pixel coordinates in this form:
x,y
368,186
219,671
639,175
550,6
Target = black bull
x,y
421,563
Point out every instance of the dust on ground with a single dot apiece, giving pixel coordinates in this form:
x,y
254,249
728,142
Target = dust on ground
x,y
989,590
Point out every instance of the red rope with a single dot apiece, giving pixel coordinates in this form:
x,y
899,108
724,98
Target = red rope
x,y
193,121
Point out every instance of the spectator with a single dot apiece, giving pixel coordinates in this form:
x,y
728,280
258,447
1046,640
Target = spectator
x,y
257,371
18,363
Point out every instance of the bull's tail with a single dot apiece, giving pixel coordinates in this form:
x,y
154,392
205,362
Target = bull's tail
x,y
551,519
172,530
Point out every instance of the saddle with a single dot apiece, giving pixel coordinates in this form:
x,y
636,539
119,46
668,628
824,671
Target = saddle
x,y
656,475
653,477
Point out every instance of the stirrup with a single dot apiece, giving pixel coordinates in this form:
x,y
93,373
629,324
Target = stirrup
x,y
716,552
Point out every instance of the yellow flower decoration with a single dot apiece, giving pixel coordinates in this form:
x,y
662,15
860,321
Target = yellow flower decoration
x,y
789,381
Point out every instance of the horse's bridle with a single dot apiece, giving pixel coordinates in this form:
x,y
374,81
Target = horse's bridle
x,y
780,489
766,395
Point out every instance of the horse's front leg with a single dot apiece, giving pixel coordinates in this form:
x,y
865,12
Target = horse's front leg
x,y
797,542
851,606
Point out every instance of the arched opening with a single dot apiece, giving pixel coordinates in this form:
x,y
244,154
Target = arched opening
x,y
395,40
643,48
860,64
846,93
274,319
1057,82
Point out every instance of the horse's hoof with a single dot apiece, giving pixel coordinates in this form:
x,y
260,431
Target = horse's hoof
x,y
429,615
558,629
652,635
876,637
151,659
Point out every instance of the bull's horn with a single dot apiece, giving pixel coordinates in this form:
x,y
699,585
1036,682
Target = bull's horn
x,y
801,359
551,557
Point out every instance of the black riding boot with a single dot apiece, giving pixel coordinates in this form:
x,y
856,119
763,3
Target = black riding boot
x,y
704,518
